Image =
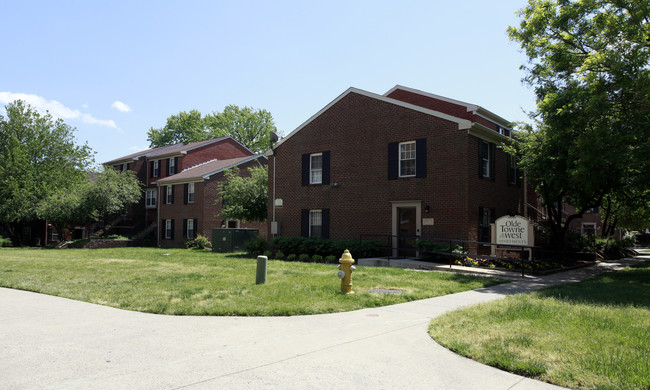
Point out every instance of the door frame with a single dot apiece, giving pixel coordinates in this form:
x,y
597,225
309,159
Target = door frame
x,y
417,204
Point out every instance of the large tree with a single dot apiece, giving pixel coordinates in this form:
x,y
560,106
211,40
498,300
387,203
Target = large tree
x,y
250,127
38,157
245,197
589,64
101,195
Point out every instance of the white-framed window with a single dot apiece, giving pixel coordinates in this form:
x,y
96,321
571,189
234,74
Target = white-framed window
x,y
190,193
485,218
485,158
316,168
589,229
169,228
190,228
407,159
52,234
156,168
170,195
172,166
151,198
315,223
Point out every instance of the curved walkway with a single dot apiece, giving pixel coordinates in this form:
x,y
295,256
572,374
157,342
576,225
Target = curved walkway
x,y
56,343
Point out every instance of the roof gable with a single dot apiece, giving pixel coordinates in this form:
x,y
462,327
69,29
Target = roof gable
x,y
207,169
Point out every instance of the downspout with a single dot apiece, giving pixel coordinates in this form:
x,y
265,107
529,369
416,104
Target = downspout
x,y
158,196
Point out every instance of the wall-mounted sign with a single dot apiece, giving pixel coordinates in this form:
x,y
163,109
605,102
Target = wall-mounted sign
x,y
512,230
427,221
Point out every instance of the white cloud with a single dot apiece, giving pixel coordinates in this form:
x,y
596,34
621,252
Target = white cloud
x,y
56,109
121,106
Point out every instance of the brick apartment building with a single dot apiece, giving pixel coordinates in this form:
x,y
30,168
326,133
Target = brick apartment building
x,y
167,162
403,163
189,201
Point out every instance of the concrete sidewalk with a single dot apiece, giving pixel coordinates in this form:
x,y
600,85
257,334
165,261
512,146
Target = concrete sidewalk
x,y
55,343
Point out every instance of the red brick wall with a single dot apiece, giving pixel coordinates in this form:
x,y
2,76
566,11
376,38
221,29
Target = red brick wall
x,y
356,131
223,150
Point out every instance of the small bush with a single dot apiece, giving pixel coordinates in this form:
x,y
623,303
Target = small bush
x,y
292,257
268,254
5,241
331,259
200,242
256,246
303,257
117,237
317,258
279,255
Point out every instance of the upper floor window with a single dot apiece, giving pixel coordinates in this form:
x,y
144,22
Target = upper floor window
x,y
152,196
190,193
486,154
170,195
316,168
513,172
155,168
407,154
172,166
407,159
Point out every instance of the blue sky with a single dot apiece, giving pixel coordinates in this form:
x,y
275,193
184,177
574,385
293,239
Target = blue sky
x,y
114,69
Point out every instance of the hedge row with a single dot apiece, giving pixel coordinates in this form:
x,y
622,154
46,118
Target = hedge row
x,y
314,246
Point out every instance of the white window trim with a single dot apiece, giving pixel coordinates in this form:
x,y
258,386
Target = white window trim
x,y
151,200
399,151
169,194
312,170
192,229
486,162
168,228
172,166
311,213
190,193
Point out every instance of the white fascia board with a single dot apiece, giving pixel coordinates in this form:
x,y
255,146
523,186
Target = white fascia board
x,y
180,181
251,158
485,133
489,115
462,123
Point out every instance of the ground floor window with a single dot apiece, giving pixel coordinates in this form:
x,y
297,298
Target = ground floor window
x,y
169,229
315,223
52,234
189,228
486,217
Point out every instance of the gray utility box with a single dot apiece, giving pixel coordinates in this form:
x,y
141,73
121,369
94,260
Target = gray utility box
x,y
231,240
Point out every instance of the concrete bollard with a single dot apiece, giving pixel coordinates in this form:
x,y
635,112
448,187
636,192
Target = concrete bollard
x,y
262,262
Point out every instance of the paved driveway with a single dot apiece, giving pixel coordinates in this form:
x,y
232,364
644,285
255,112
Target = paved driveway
x,y
56,343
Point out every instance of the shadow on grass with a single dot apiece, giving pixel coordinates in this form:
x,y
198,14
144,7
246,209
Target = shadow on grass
x,y
626,287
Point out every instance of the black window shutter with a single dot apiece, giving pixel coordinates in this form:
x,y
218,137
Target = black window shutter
x,y
151,170
185,228
196,228
167,168
185,192
393,160
128,166
421,158
493,215
326,167
172,236
326,223
164,194
175,165
305,169
172,190
493,158
509,161
304,223
481,228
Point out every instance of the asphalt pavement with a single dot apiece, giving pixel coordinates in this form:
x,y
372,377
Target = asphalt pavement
x,y
48,342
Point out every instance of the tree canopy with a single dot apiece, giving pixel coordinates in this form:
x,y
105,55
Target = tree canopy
x,y
38,157
245,198
589,64
250,127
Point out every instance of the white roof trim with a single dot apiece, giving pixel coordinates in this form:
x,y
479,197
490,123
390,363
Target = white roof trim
x,y
473,108
462,123
486,134
251,158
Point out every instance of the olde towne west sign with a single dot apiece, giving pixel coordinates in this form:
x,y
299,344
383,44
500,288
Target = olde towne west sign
x,y
512,230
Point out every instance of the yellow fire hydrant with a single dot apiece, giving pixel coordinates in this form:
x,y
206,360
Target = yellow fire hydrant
x,y
345,273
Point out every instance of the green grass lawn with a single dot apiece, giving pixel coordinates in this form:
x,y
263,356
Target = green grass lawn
x,y
593,335
186,282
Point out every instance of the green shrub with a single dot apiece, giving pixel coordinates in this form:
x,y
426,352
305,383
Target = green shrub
x,y
318,246
331,259
279,255
303,257
292,257
5,241
117,237
268,254
317,258
256,246
200,242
